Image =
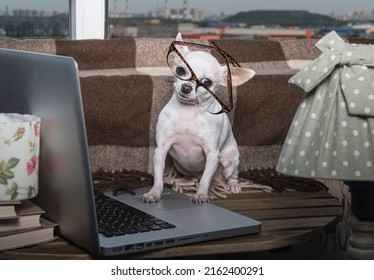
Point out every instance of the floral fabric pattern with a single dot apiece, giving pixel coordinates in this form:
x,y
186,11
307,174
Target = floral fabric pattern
x,y
19,156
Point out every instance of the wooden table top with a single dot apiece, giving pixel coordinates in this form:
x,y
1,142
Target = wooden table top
x,y
288,218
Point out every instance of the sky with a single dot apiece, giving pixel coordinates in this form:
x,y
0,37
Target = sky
x,y
210,7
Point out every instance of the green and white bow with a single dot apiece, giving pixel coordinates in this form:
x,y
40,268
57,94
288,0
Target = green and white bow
x,y
349,65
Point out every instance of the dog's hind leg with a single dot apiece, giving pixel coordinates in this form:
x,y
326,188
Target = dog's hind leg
x,y
230,173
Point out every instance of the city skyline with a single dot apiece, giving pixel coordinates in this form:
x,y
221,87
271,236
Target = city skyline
x,y
210,7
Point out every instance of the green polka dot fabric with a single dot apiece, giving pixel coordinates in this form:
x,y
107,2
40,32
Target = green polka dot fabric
x,y
332,134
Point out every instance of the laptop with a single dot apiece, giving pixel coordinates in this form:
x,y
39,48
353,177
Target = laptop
x,y
48,86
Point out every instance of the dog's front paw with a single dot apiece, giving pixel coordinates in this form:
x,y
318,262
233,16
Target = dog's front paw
x,y
235,189
200,198
151,197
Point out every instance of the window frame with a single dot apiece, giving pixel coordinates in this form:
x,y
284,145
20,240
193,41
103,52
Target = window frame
x,y
88,19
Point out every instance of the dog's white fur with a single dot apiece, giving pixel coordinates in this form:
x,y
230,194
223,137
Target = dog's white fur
x,y
202,144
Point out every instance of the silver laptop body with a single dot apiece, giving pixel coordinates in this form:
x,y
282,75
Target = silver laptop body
x,y
48,86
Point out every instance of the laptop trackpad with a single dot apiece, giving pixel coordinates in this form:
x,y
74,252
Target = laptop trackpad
x,y
171,201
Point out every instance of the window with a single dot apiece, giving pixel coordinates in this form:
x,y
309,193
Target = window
x,y
99,19
34,18
75,19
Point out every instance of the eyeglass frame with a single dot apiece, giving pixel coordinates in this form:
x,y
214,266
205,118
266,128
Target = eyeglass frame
x,y
225,55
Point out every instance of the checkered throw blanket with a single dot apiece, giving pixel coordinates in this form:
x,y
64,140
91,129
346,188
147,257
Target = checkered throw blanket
x,y
126,82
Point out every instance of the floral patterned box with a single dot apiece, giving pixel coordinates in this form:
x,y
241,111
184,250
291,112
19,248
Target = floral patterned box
x,y
19,156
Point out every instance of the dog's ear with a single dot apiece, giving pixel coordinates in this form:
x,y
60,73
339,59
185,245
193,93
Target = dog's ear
x,y
182,49
238,75
179,37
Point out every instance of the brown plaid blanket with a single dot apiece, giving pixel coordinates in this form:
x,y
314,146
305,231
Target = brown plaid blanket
x,y
126,82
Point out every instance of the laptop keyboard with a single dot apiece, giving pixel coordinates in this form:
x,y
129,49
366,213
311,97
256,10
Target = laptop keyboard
x,y
115,218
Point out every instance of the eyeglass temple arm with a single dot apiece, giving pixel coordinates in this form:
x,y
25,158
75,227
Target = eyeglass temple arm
x,y
225,54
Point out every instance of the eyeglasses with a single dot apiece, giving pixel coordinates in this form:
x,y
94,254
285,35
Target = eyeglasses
x,y
206,88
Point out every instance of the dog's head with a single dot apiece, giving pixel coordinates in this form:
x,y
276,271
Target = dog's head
x,y
198,71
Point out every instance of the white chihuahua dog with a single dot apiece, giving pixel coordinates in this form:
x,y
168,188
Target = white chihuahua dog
x,y
201,144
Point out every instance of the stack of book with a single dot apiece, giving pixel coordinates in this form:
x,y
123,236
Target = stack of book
x,y
21,225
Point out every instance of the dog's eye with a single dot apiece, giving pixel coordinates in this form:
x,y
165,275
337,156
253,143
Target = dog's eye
x,y
206,82
180,71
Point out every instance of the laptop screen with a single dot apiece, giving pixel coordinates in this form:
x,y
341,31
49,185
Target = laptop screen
x,y
48,86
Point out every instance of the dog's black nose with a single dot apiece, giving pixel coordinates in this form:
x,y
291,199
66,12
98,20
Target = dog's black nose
x,y
186,89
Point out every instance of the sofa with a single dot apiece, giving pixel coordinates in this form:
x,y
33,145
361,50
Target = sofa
x,y
126,82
